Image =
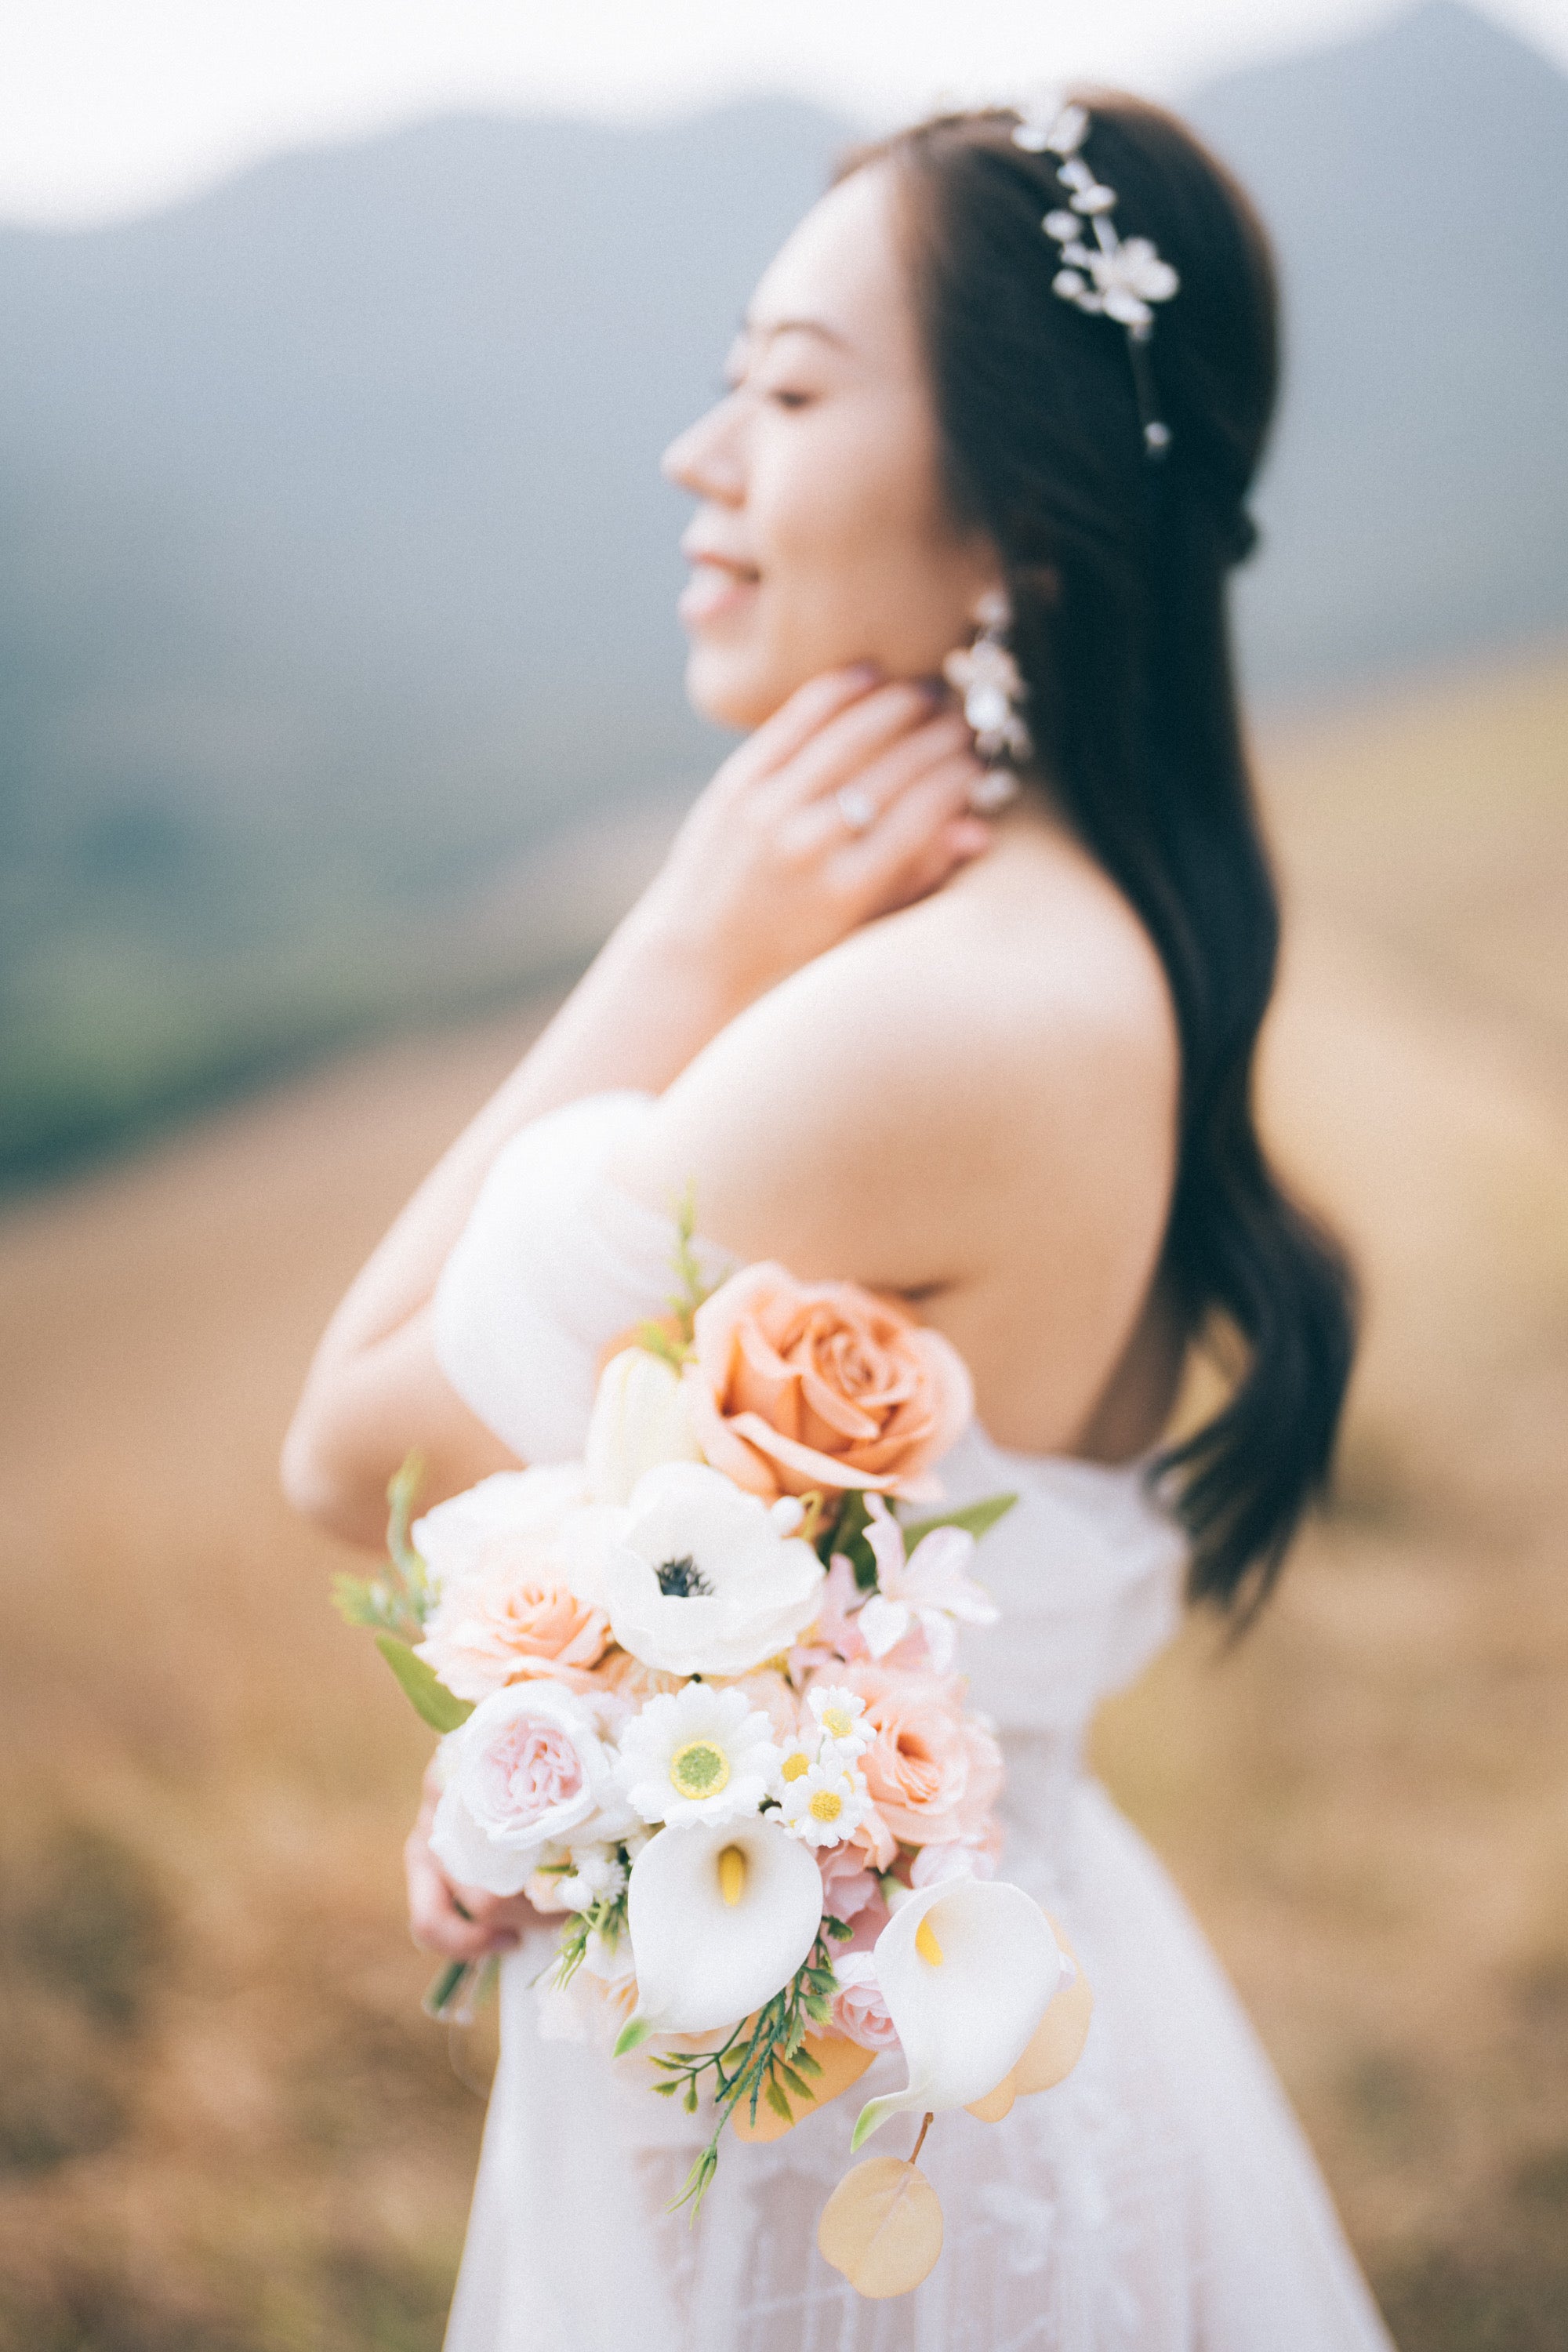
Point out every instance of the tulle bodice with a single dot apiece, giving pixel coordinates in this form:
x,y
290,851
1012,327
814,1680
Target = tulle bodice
x,y
1160,2201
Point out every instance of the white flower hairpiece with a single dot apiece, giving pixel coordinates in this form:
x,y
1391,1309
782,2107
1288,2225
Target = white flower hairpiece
x,y
1116,278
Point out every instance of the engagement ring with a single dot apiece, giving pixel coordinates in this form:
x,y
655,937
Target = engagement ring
x,y
855,806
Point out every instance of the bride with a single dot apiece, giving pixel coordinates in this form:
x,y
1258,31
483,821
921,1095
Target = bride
x,y
980,1036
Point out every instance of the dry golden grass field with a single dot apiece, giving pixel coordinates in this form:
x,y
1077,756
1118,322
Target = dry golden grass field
x,y
224,2125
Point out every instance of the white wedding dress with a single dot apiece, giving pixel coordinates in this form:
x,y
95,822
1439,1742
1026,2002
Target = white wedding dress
x,y
1161,2200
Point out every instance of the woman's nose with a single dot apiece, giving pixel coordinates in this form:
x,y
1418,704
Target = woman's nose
x,y
706,459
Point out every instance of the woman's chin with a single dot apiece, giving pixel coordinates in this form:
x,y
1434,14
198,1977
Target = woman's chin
x,y
722,686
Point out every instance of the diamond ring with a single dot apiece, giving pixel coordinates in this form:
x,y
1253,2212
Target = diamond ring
x,y
855,806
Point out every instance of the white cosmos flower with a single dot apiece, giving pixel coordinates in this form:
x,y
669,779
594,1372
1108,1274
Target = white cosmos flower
x,y
531,1768
826,1805
640,1419
967,1969
704,1579
840,1716
721,1919
698,1755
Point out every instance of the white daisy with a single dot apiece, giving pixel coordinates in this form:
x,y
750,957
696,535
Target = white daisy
x,y
826,1805
840,1714
698,1755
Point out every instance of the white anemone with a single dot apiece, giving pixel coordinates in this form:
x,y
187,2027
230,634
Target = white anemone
x,y
698,1755
721,1919
640,1419
704,1579
967,1970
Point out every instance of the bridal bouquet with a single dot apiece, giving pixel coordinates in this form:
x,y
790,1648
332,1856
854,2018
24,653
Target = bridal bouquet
x,y
698,1698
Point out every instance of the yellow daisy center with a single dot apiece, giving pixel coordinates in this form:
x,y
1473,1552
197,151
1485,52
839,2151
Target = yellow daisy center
x,y
827,1806
837,1722
794,1766
698,1769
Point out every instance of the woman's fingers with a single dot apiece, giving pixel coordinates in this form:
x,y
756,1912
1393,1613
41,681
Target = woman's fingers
x,y
916,842
809,709
463,1923
853,741
876,787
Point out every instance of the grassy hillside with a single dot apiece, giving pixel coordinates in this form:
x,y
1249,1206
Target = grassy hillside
x,y
224,2126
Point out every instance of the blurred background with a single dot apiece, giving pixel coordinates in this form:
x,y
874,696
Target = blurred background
x,y
339,715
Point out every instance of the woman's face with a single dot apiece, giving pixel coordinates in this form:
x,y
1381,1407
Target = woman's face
x,y
822,536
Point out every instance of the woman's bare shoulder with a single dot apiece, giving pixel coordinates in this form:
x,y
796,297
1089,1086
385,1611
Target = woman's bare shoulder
x,y
1004,1045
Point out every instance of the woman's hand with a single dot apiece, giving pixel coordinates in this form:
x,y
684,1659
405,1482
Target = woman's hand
x,y
851,801
461,1923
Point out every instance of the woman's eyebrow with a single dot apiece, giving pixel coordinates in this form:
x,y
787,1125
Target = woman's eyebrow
x,y
774,327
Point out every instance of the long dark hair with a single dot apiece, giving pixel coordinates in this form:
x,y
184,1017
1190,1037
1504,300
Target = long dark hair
x,y
1117,564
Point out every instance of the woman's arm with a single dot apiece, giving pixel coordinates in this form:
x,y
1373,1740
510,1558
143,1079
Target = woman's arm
x,y
764,876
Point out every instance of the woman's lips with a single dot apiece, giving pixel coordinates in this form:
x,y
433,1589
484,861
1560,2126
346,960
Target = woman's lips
x,y
714,591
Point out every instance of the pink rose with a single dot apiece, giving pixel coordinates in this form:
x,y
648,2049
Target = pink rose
x,y
922,1753
767,1689
859,2011
794,1386
531,1768
500,1625
848,1883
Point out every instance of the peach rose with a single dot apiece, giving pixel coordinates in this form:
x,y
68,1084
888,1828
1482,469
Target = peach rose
x,y
496,1628
924,1755
797,1385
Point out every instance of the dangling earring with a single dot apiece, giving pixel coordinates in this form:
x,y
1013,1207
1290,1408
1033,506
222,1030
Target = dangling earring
x,y
993,693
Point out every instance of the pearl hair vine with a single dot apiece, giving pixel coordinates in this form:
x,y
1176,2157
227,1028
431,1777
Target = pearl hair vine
x,y
1115,276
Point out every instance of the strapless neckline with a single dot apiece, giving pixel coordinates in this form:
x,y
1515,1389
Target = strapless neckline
x,y
658,1228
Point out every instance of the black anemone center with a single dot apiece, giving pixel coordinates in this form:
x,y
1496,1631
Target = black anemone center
x,y
682,1580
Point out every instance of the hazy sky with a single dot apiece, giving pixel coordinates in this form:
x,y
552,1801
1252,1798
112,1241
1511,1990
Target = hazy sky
x,y
111,107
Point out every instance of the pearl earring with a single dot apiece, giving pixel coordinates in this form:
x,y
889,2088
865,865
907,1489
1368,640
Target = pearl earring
x,y
987,677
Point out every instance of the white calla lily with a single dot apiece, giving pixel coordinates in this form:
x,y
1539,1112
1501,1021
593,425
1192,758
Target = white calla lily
x,y
720,1919
640,1419
967,1970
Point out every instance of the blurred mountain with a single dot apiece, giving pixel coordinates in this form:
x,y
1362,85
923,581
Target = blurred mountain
x,y
1416,183
338,573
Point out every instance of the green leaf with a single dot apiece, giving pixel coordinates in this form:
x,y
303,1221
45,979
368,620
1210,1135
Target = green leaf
x,y
974,1518
359,1599
401,1491
692,2096
632,2036
807,2062
779,2104
839,1929
428,1694
847,1536
795,2082
665,2090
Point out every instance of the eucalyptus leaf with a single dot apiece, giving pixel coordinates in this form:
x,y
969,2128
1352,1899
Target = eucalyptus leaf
x,y
426,1692
974,1518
